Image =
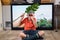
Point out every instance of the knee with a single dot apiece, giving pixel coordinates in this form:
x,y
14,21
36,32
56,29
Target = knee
x,y
41,33
22,35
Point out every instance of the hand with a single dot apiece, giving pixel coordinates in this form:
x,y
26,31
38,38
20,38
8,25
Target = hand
x,y
32,18
34,21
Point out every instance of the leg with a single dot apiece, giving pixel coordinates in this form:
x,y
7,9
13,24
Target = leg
x,y
26,35
22,35
35,36
38,34
41,33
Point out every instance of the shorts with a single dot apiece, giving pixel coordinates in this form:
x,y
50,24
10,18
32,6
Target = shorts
x,y
32,35
30,32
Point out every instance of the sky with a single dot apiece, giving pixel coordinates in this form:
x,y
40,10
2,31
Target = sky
x,y
43,11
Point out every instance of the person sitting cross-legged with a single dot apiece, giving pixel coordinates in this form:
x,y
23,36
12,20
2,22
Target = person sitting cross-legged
x,y
29,23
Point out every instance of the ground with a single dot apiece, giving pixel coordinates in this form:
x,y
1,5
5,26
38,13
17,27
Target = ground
x,y
13,35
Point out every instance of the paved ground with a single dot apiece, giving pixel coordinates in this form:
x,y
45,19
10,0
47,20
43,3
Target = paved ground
x,y
13,35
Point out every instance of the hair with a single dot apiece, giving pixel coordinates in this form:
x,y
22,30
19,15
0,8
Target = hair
x,y
31,11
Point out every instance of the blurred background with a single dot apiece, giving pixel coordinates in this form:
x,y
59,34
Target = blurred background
x,y
5,19
5,11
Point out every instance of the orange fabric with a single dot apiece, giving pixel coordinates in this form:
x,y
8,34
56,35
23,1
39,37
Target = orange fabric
x,y
29,24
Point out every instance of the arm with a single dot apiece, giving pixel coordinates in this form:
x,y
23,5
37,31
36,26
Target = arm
x,y
21,26
17,22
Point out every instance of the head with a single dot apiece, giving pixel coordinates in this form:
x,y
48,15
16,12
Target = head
x,y
30,14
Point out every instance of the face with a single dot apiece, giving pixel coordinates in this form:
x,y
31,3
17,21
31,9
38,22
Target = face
x,y
30,15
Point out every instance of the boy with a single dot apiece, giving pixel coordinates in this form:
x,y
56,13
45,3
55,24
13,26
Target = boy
x,y
30,25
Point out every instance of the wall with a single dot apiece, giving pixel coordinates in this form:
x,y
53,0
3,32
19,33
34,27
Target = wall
x,y
0,15
0,12
57,2
57,14
6,14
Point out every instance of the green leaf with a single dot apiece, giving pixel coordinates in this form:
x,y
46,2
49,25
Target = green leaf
x,y
33,7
